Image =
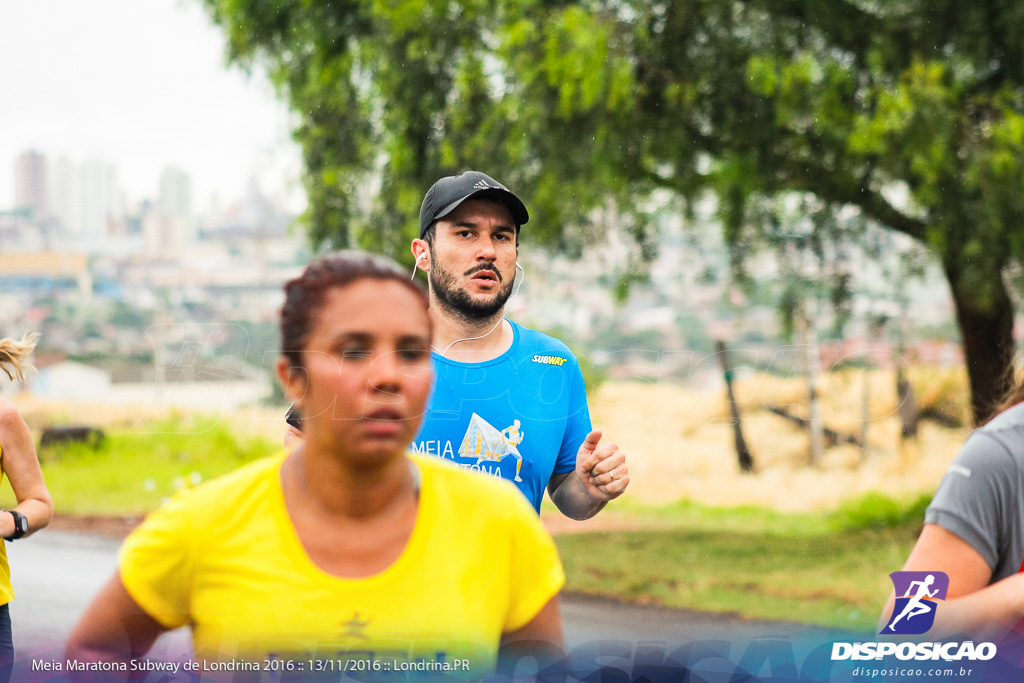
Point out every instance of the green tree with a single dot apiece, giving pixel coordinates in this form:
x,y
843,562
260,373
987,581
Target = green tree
x,y
911,112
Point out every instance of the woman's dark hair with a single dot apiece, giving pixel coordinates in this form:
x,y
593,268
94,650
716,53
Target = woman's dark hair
x,y
1014,394
304,296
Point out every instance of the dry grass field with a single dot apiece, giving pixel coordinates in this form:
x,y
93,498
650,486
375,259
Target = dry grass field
x,y
679,442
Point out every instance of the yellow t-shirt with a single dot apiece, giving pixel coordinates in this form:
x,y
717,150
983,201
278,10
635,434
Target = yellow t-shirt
x,y
225,558
6,589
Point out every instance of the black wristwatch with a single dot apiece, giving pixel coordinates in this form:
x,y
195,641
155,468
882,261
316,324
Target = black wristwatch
x,y
20,525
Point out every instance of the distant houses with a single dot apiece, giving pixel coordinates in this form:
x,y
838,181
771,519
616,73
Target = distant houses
x,y
205,384
66,380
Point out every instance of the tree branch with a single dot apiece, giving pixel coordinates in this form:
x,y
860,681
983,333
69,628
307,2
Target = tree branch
x,y
844,24
872,202
837,187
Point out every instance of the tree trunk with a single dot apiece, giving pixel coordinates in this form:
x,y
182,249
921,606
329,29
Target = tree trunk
x,y
910,413
746,459
865,409
987,340
809,341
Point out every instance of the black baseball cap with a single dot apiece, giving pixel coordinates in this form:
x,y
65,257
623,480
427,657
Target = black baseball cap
x,y
448,192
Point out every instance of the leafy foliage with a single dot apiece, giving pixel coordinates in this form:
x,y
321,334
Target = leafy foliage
x,y
907,114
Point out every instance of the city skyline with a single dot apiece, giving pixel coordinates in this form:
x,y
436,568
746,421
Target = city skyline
x,y
140,87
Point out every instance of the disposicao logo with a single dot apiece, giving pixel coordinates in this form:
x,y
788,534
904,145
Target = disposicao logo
x,y
917,596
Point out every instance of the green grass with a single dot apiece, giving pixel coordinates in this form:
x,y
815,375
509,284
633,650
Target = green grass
x,y
878,511
743,518
133,471
870,511
829,569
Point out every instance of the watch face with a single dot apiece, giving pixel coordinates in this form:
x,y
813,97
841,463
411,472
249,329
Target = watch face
x,y
20,524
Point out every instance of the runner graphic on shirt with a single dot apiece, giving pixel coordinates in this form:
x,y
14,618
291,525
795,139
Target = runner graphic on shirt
x,y
484,442
513,437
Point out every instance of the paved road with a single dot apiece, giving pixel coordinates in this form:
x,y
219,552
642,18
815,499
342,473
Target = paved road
x,y
56,574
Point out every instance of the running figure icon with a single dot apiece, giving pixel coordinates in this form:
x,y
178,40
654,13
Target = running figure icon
x,y
915,605
513,437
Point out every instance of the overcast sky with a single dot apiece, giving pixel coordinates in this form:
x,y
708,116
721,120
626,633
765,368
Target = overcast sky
x,y
141,84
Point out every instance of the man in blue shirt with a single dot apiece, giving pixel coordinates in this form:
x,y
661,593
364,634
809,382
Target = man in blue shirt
x,y
508,401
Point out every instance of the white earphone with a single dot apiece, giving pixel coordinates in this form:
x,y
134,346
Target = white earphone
x,y
516,293
419,258
442,353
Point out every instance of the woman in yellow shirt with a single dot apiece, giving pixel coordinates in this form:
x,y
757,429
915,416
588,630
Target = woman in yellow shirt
x,y
348,553
19,464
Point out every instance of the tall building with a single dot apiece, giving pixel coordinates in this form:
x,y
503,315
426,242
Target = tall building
x,y
66,196
31,185
100,201
86,199
163,234
176,203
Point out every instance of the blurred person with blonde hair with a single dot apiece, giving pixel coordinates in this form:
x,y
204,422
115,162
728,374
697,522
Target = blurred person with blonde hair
x,y
19,463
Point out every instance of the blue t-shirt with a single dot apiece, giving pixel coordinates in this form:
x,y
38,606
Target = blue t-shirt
x,y
521,416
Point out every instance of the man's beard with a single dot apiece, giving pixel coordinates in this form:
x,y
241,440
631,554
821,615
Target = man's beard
x,y
459,303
